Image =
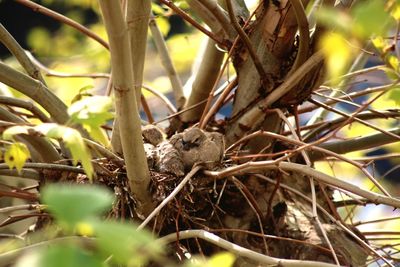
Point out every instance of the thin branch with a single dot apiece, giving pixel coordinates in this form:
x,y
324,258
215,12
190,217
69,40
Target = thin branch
x,y
22,207
47,166
63,19
246,40
35,90
105,152
240,251
166,61
350,95
24,173
43,150
177,189
338,223
15,102
332,124
353,118
8,40
358,63
220,14
358,143
304,35
195,24
50,72
162,97
146,109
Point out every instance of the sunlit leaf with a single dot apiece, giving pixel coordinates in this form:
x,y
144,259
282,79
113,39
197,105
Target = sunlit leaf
x,y
72,140
16,156
9,133
337,53
92,113
396,12
393,62
163,25
379,42
72,204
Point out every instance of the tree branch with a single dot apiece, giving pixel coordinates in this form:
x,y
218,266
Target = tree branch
x,y
126,104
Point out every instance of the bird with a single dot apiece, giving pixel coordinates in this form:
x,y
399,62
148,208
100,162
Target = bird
x,y
198,146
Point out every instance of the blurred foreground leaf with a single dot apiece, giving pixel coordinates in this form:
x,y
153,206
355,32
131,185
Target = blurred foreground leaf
x,y
71,204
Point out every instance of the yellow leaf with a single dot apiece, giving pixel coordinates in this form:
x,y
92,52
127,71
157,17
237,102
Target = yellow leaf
x,y
378,42
393,62
396,12
223,259
337,53
85,229
16,156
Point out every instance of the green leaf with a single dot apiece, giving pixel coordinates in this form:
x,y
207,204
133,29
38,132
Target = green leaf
x,y
16,156
67,256
92,113
73,141
125,243
394,95
93,110
71,204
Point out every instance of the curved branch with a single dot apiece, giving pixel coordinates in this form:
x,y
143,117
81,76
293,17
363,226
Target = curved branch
x,y
251,167
240,251
15,102
63,19
195,24
45,151
8,40
304,34
246,41
35,90
323,126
